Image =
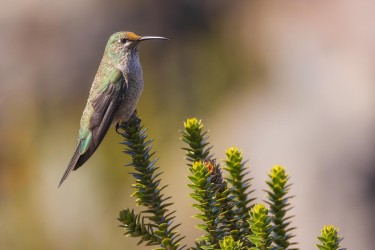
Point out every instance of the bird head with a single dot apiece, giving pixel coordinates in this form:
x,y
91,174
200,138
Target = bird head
x,y
125,41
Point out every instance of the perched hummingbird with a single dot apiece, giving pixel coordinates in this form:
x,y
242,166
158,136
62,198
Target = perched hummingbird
x,y
113,95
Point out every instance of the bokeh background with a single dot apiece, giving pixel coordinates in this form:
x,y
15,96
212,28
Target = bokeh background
x,y
289,82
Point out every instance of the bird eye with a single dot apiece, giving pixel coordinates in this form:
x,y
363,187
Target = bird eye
x,y
123,40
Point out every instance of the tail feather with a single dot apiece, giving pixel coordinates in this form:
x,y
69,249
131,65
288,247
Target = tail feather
x,y
79,159
72,164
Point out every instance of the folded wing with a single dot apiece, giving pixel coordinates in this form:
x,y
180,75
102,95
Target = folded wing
x,y
105,106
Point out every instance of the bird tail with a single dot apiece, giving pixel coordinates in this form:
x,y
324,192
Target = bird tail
x,y
72,164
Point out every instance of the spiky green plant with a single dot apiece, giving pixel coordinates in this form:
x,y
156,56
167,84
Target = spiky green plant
x,y
221,202
228,243
260,226
204,192
198,146
158,229
330,239
209,189
279,202
136,227
202,184
224,200
214,203
235,166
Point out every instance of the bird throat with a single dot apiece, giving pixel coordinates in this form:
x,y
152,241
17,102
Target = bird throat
x,y
130,66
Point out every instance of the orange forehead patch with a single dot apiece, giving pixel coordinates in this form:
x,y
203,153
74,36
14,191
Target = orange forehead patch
x,y
132,36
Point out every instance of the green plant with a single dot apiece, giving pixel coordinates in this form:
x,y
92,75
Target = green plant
x,y
329,239
261,230
229,219
278,201
158,229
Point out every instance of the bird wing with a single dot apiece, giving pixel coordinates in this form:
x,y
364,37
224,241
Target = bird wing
x,y
105,106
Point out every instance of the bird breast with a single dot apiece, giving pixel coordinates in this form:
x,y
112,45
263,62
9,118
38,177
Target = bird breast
x,y
133,90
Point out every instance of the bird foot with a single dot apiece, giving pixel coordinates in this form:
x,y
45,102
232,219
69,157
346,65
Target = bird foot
x,y
117,127
133,118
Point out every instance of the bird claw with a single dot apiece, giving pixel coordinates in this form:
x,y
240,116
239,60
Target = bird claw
x,y
117,127
133,118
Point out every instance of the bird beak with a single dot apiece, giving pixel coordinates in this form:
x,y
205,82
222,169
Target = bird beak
x,y
143,38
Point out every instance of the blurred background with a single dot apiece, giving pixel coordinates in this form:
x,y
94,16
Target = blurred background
x,y
290,83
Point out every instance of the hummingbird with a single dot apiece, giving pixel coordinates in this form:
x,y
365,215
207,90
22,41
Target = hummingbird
x,y
113,96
